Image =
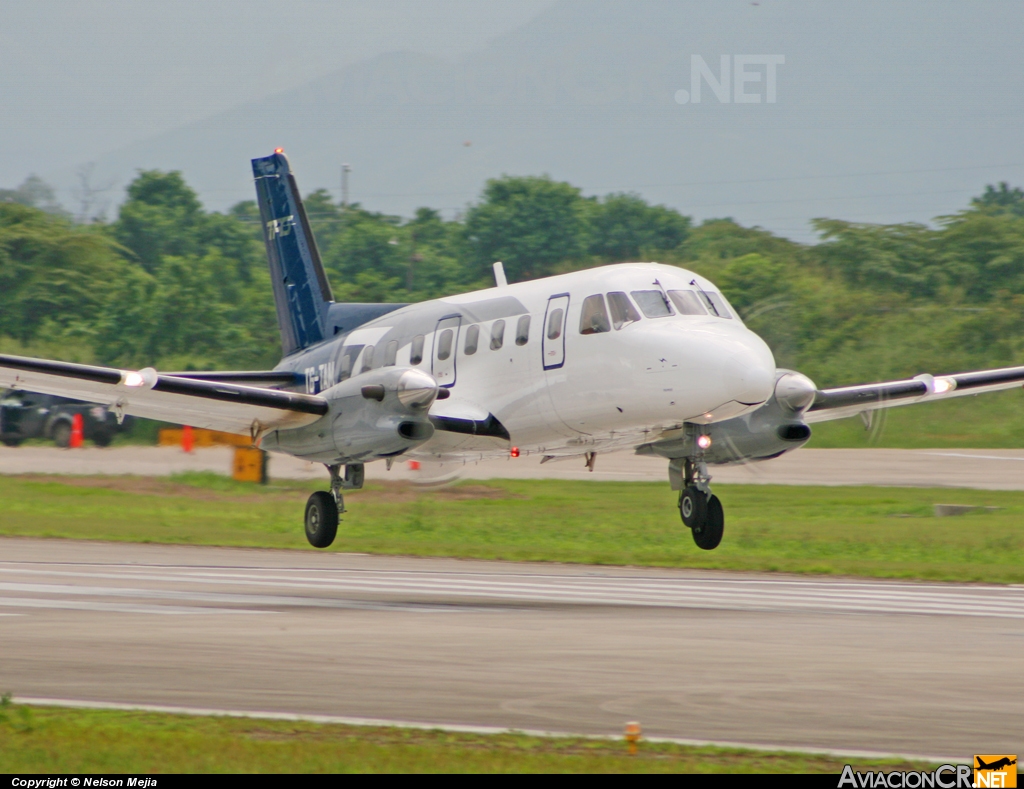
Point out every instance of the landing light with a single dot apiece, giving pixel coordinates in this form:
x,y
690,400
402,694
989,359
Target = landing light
x,y
704,441
943,385
134,379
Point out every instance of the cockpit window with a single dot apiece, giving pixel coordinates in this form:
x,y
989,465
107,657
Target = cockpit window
x,y
623,311
715,303
687,302
653,303
594,317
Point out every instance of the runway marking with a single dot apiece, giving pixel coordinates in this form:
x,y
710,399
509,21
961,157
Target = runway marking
x,y
121,608
972,457
211,597
471,729
609,590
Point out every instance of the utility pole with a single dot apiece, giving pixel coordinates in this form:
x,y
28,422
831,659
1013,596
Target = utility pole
x,y
345,170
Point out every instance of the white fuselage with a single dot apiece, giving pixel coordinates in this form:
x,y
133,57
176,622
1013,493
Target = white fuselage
x,y
579,382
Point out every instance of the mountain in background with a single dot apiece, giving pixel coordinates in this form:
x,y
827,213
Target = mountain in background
x,y
885,112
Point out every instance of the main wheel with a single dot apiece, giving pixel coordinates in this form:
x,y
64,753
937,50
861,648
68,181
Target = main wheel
x,y
321,519
61,434
102,439
709,534
693,506
12,442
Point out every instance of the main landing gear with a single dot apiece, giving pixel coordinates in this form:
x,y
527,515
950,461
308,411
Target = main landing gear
x,y
324,508
699,508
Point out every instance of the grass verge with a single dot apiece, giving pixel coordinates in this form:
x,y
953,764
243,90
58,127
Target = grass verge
x,y
865,531
56,740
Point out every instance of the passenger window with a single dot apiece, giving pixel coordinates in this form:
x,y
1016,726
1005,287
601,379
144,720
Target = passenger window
x,y
653,303
472,340
391,354
555,324
523,330
623,311
594,318
367,359
686,302
444,345
416,351
497,335
347,361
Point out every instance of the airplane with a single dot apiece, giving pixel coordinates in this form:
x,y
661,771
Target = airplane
x,y
638,356
998,764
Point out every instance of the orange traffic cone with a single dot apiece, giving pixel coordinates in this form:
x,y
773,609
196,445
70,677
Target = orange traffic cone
x,y
77,431
187,441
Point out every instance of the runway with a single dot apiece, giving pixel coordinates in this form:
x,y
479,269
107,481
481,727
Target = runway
x,y
988,469
839,664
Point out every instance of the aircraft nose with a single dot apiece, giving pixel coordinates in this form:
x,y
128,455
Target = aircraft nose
x,y
748,369
749,380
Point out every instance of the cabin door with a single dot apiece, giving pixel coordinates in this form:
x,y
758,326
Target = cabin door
x,y
446,344
553,331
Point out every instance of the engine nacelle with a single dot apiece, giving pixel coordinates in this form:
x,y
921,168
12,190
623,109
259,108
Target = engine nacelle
x,y
773,429
378,414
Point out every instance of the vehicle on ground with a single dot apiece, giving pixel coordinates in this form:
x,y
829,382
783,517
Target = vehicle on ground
x,y
25,415
632,355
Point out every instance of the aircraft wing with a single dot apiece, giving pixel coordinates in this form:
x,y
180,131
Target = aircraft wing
x,y
217,405
851,400
268,379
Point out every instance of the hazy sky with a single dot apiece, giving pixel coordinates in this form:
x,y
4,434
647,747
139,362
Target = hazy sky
x,y
79,78
886,111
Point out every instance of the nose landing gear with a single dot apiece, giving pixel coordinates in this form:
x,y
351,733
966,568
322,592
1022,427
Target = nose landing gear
x,y
699,508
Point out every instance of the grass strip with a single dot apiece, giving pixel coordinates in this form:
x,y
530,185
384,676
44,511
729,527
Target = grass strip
x,y
61,740
860,531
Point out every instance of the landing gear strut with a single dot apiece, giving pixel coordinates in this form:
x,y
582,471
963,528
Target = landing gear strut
x,y
324,508
699,508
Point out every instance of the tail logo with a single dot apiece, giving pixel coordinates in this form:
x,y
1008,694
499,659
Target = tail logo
x,y
281,227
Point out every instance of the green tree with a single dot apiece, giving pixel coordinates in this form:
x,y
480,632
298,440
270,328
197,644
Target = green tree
x,y
35,193
1001,199
623,225
903,257
51,272
162,216
531,224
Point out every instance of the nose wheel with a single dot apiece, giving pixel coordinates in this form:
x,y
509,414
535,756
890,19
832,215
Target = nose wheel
x,y
700,509
708,529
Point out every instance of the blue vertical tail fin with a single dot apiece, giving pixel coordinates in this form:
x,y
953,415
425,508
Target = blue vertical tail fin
x,y
301,291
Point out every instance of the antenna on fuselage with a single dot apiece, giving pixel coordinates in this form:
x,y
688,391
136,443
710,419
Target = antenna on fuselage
x,y
499,275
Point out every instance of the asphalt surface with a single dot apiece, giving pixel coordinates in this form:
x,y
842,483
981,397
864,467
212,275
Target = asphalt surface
x,y
916,668
992,469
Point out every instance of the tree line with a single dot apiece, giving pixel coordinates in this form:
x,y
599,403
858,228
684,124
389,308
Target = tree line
x,y
170,284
